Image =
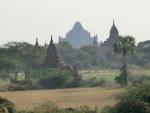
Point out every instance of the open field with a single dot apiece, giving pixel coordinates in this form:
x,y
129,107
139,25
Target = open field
x,y
74,97
63,97
110,75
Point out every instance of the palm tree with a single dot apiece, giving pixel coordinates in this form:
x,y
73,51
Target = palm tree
x,y
124,45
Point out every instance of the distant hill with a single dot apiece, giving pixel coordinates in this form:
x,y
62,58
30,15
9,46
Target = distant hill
x,y
78,36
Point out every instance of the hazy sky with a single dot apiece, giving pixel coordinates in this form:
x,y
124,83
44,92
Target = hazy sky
x,y
24,20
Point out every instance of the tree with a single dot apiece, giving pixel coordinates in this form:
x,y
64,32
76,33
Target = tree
x,y
18,57
124,45
31,57
133,100
97,58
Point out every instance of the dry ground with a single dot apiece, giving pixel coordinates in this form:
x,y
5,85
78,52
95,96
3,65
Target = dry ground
x,y
63,97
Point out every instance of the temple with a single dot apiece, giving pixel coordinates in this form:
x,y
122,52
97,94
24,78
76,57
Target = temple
x,y
112,37
37,43
78,36
51,59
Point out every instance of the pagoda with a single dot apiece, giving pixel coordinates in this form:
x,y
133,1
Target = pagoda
x,y
37,43
51,59
113,37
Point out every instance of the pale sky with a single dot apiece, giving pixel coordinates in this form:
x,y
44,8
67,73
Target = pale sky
x,y
24,20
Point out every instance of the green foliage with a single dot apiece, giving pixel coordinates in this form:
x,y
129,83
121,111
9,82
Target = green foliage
x,y
64,48
122,78
97,59
51,108
22,57
3,109
135,81
134,100
22,85
56,78
6,106
85,57
139,93
124,45
78,57
5,63
128,107
77,79
92,82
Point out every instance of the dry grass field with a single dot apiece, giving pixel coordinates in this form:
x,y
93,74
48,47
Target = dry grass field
x,y
73,97
63,97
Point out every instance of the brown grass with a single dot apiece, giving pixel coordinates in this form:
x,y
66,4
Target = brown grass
x,y
63,97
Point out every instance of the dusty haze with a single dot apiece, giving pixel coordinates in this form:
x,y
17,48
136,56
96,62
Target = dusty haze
x,y
24,20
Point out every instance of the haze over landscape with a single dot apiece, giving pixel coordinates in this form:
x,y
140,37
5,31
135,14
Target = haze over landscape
x,y
74,56
28,19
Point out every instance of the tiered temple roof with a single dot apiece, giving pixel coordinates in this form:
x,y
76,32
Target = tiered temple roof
x,y
51,59
112,37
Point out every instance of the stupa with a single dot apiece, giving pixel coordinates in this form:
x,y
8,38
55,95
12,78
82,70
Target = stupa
x,y
52,59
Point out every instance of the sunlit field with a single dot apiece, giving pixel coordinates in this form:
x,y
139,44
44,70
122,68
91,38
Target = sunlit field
x,y
73,97
64,97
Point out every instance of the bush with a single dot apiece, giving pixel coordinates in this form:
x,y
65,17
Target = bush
x,y
21,85
108,109
51,108
122,79
3,109
92,82
134,100
140,93
130,106
6,106
59,79
140,80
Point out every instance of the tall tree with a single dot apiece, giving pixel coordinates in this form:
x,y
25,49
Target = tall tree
x,y
124,45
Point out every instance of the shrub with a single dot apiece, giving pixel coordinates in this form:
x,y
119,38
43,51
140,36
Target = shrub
x,y
3,109
51,108
130,106
140,80
21,85
94,82
108,109
134,100
60,79
122,79
140,93
6,106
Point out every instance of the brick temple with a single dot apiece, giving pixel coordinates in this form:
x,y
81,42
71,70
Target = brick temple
x,y
52,59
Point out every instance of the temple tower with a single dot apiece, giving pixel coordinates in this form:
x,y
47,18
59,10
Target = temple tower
x,y
51,59
112,37
36,43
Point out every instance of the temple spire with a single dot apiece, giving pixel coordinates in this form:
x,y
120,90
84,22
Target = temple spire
x,y
51,42
51,59
113,22
36,44
113,36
